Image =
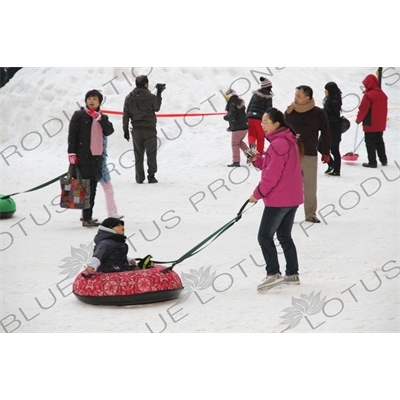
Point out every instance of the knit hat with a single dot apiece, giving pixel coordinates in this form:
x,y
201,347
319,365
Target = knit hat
x,y
94,93
112,222
230,93
265,82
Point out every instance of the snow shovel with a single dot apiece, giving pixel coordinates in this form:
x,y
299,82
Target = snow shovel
x,y
352,155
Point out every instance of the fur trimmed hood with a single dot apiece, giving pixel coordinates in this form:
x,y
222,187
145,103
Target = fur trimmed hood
x,y
240,104
237,102
261,94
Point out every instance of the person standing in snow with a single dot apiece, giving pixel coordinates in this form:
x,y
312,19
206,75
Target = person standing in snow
x,y
373,112
107,186
236,116
308,120
281,189
260,103
85,145
140,108
333,108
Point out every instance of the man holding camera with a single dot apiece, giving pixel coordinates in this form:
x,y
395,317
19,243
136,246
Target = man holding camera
x,y
140,108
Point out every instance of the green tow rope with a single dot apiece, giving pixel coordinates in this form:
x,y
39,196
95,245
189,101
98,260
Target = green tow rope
x,y
37,187
199,247
147,260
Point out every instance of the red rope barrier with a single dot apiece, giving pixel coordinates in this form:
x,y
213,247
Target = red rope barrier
x,y
169,115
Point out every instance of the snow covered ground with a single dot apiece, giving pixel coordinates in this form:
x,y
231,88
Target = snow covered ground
x,y
349,263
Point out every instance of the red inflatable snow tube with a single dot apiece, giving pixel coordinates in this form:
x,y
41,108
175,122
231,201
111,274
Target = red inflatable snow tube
x,y
128,288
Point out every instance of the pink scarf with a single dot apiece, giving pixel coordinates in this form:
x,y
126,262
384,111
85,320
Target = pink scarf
x,y
96,136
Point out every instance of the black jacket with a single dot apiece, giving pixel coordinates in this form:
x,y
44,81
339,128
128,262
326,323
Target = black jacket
x,y
260,103
79,135
308,125
140,107
236,114
111,250
333,108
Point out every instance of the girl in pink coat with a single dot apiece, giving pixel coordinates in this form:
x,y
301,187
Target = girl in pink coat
x,y
281,189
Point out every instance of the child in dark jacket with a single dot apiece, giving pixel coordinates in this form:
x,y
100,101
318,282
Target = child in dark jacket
x,y
111,251
236,116
260,103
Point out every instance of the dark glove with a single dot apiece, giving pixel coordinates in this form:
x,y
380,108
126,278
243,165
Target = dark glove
x,y
160,88
126,136
325,159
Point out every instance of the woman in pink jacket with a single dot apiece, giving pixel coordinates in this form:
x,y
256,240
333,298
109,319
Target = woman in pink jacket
x,y
281,189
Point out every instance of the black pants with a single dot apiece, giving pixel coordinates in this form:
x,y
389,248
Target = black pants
x,y
279,221
145,141
88,213
375,145
336,158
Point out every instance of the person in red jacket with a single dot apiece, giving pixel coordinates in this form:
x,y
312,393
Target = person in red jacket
x,y
372,112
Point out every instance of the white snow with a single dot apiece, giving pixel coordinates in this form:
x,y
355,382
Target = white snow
x,y
351,259
349,263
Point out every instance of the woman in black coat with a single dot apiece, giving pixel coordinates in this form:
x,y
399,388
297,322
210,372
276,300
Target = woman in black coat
x,y
85,145
333,107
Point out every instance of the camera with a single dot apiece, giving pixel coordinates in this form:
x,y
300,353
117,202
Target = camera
x,y
161,87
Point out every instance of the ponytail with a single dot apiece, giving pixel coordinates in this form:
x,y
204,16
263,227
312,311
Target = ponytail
x,y
276,115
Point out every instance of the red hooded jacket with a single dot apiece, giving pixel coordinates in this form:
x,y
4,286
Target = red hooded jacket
x,y
373,109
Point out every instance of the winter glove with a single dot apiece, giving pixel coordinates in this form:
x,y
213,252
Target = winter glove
x,y
325,159
146,262
73,159
160,88
126,136
93,113
251,155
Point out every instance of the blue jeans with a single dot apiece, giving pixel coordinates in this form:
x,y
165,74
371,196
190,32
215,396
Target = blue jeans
x,y
279,221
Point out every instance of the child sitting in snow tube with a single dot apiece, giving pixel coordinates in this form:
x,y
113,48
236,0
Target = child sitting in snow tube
x,y
111,251
113,278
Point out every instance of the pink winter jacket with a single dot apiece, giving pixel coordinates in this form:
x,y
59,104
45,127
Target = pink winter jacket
x,y
281,179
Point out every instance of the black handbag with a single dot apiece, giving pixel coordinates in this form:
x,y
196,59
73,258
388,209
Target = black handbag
x,y
344,124
75,192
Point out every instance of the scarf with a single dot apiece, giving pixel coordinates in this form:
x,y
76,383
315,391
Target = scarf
x,y
116,237
301,108
96,137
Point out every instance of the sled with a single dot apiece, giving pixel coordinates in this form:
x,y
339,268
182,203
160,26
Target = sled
x,y
352,155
